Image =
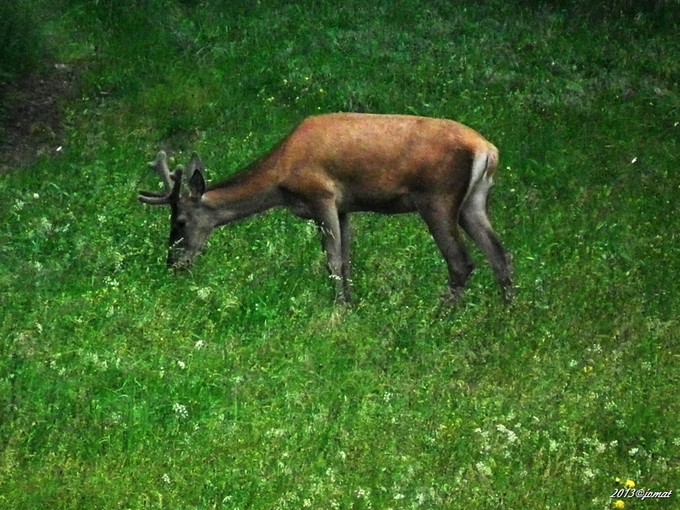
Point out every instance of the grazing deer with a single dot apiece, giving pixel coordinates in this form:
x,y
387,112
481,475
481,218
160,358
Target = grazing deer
x,y
336,164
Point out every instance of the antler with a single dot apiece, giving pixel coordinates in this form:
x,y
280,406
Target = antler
x,y
171,182
160,166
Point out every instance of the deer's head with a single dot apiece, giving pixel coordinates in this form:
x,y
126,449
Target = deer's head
x,y
190,220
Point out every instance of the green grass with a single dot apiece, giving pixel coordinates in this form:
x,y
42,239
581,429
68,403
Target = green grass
x,y
238,385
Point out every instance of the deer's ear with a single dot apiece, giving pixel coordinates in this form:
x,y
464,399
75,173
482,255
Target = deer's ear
x,y
197,183
196,178
195,164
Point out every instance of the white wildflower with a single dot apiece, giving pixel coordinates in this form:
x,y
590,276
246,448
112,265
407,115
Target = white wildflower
x,y
362,493
180,411
111,282
203,293
483,468
45,225
510,434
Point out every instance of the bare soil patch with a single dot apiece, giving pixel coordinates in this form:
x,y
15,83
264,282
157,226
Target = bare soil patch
x,y
31,115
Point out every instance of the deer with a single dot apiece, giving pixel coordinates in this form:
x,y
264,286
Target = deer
x,y
336,164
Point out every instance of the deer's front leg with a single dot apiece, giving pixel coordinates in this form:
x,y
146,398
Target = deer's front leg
x,y
345,243
326,218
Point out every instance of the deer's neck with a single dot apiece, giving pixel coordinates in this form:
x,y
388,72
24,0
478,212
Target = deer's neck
x,y
250,192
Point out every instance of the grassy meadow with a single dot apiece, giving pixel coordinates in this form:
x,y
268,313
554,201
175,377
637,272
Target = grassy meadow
x,y
239,385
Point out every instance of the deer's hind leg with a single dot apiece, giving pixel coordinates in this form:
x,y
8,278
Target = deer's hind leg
x,y
440,216
475,221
